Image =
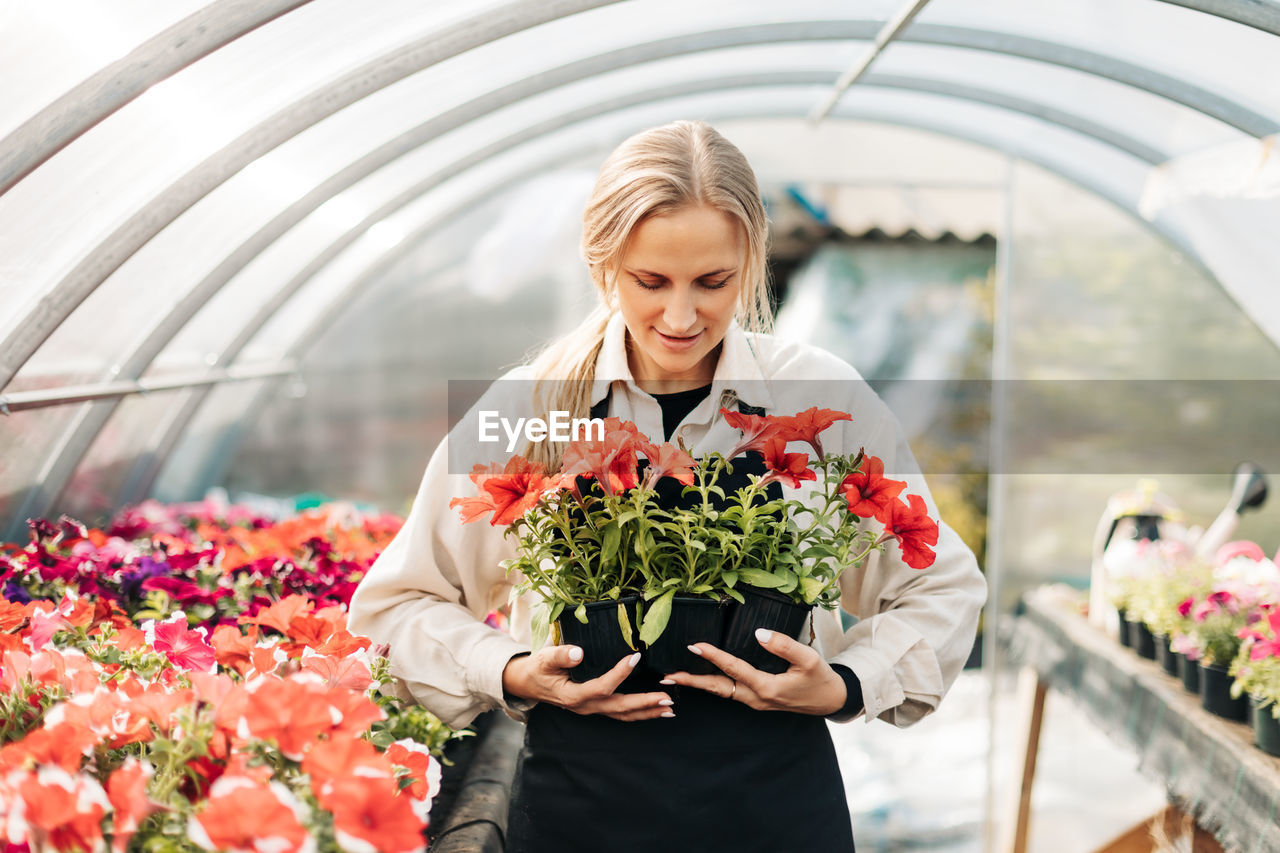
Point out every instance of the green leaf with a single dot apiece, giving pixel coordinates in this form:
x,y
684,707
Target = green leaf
x,y
556,610
729,578
810,589
756,577
624,624
581,613
655,621
540,626
609,547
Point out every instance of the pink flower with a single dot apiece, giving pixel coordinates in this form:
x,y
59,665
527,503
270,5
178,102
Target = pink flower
x,y
185,648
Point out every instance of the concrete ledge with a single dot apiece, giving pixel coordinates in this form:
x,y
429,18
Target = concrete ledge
x,y
477,823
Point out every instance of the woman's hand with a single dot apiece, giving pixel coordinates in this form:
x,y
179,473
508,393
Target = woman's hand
x,y
544,676
809,686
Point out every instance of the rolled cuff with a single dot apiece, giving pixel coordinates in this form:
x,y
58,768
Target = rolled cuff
x,y
483,668
853,695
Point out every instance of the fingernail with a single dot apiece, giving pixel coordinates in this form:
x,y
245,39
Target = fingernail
x,y
666,702
575,653
764,635
635,659
667,714
694,649
666,681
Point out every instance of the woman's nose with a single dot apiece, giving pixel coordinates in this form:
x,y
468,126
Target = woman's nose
x,y
680,313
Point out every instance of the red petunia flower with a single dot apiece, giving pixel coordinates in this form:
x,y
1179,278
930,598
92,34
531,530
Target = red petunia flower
x,y
756,431
247,815
787,468
868,491
805,426
127,790
667,460
369,815
184,647
915,531
508,494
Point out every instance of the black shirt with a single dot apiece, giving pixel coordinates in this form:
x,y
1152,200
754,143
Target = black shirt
x,y
677,406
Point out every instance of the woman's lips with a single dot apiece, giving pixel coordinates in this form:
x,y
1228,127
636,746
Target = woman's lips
x,y
679,344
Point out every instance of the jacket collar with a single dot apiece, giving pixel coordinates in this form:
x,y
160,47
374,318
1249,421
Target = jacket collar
x,y
737,372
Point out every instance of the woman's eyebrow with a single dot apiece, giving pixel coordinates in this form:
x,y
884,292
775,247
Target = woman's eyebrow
x,y
660,275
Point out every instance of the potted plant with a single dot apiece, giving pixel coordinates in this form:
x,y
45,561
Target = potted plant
x,y
602,551
1219,619
1256,670
1155,596
809,544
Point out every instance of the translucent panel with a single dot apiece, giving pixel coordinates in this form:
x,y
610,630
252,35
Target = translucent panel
x,y
94,489
203,445
1155,121
1140,32
43,57
129,158
27,439
1094,296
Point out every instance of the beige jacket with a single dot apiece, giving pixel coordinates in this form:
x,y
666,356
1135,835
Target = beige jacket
x,y
427,594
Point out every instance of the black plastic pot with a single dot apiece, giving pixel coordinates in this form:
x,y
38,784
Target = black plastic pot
x,y
694,619
1125,639
1189,672
601,638
763,608
1142,640
1266,728
1164,654
1215,694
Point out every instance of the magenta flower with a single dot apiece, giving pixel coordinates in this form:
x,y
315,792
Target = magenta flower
x,y
187,649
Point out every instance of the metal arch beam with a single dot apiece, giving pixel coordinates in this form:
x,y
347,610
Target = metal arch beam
x,y
267,392
111,87
89,423
175,199
1259,14
78,436
128,238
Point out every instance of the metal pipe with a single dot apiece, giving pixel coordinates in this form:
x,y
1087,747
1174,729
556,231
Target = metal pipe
x,y
891,30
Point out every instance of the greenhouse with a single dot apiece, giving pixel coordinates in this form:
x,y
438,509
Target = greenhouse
x,y
258,260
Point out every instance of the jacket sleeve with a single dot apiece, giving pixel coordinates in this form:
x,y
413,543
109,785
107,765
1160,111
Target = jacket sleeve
x,y
915,626
427,595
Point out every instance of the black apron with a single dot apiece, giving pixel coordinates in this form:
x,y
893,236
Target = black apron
x,y
719,777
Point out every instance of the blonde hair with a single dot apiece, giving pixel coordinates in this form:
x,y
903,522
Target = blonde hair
x,y
655,172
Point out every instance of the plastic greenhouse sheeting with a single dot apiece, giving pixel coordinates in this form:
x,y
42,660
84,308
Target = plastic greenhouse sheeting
x,y
185,187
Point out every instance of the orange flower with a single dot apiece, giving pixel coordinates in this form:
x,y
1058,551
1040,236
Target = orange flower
x,y
356,712
341,758
127,790
611,461
247,815
281,614
367,812
62,810
288,713
420,766
233,649
508,494
805,426
340,671
868,491
667,460
61,745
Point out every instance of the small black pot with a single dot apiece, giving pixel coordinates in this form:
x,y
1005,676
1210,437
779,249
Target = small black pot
x,y
763,608
1215,694
601,638
1266,728
1189,672
1164,654
694,619
1142,640
1125,639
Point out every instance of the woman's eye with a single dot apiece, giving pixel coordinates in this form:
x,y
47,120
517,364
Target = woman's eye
x,y
716,285
648,286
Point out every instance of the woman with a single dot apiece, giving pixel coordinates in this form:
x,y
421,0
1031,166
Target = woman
x,y
674,236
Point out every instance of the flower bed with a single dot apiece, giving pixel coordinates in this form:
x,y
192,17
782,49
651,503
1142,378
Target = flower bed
x,y
184,680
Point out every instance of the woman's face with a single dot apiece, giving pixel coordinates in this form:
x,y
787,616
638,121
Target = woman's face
x,y
679,281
